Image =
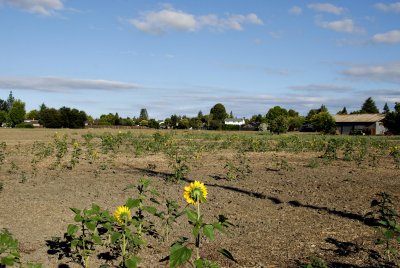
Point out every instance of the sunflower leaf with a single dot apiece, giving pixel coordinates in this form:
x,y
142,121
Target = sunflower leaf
x,y
179,255
192,215
132,203
72,229
208,231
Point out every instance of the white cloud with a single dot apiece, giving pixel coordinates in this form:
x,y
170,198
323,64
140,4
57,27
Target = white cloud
x,y
326,7
392,7
161,21
43,7
391,37
345,26
322,88
60,84
295,10
385,72
157,22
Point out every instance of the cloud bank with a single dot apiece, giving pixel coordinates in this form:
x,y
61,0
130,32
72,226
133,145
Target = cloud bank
x,y
167,19
391,37
326,7
383,73
392,7
42,7
60,84
345,26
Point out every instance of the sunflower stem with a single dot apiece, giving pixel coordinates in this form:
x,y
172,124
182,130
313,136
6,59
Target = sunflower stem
x,y
198,235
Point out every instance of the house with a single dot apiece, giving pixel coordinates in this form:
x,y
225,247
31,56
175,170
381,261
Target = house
x,y
234,121
367,123
33,122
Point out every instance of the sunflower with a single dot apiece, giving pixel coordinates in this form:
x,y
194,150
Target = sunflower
x,y
122,215
195,193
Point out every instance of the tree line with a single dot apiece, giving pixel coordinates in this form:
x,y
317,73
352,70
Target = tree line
x,y
277,119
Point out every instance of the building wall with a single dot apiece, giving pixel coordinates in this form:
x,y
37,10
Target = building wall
x,y
346,128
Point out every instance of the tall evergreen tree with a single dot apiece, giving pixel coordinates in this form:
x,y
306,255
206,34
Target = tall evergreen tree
x,y
369,107
143,114
10,101
386,108
343,111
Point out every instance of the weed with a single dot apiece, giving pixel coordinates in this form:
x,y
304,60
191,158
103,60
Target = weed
x,y
178,161
238,168
3,147
387,216
395,153
312,163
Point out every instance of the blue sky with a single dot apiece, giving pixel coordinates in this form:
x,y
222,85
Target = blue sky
x,y
179,57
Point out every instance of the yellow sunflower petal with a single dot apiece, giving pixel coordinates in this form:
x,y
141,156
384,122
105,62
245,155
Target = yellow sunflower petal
x,y
121,214
195,193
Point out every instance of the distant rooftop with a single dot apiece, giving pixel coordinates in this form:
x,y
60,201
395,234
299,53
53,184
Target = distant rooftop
x,y
361,118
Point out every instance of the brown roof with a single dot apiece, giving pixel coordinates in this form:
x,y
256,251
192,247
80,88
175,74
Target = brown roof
x,y
358,118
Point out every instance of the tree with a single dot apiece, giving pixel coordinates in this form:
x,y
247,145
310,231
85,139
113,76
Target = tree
x,y
343,111
184,123
323,109
277,118
218,112
392,119
175,120
279,124
3,105
310,115
386,109
33,114
195,123
275,112
292,113
17,112
143,114
369,107
3,117
258,119
323,122
152,123
50,118
72,118
10,101
295,122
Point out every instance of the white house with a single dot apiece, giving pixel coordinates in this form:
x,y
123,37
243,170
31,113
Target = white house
x,y
33,122
235,121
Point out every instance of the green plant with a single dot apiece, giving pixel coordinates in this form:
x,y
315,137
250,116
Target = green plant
x,y
395,153
3,147
76,152
61,147
312,163
143,225
180,252
238,168
9,251
178,160
315,263
169,217
124,236
384,211
84,235
331,150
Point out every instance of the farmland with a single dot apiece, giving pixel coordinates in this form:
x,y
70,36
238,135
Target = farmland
x,y
291,199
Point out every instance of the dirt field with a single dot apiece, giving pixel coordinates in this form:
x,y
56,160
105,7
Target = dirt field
x,y
290,208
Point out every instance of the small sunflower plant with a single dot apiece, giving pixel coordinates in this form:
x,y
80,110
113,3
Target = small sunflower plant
x,y
181,250
395,153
